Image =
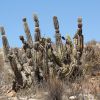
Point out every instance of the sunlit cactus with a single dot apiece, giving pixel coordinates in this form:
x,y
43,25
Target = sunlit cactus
x,y
57,36
56,23
5,43
35,17
27,31
37,35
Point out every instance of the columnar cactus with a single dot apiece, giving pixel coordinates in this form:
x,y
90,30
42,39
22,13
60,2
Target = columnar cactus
x,y
37,35
27,31
5,43
81,38
78,41
78,38
18,81
57,35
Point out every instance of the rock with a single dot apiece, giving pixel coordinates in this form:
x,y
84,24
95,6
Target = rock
x,y
11,94
23,98
72,98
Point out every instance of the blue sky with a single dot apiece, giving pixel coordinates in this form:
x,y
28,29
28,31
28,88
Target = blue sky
x,y
67,11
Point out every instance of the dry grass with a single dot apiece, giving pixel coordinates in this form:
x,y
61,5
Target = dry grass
x,y
55,89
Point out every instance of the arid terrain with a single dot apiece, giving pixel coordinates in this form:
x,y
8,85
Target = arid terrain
x,y
85,88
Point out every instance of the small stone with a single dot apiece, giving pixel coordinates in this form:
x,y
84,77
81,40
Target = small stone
x,y
72,98
23,98
11,94
32,99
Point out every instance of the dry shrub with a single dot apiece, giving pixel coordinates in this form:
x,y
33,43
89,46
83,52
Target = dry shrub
x,y
55,89
92,42
92,57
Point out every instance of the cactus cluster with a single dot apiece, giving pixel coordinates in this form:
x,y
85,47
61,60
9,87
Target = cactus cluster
x,y
39,60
